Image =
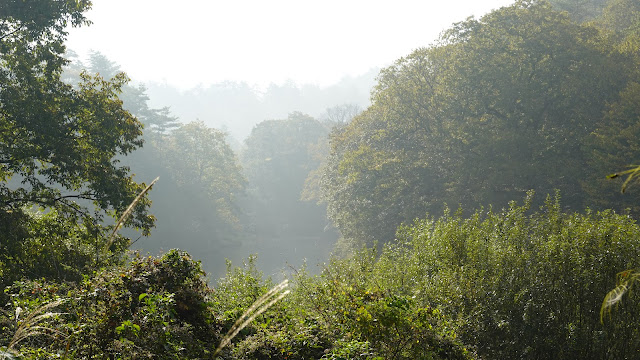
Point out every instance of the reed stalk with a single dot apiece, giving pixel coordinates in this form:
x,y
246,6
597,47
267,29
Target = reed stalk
x,y
258,307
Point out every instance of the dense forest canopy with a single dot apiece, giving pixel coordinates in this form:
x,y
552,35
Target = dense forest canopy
x,y
478,170
520,99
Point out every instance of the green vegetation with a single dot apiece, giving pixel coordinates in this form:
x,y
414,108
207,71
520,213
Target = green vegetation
x,y
58,151
527,99
510,284
162,308
277,158
151,306
521,99
533,280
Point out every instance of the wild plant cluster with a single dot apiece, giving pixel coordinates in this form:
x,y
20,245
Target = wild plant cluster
x,y
518,283
162,308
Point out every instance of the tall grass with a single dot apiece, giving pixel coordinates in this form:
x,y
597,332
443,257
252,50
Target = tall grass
x,y
258,307
127,213
32,325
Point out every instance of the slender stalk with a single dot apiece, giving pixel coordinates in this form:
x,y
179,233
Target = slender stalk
x,y
258,307
625,281
127,213
30,325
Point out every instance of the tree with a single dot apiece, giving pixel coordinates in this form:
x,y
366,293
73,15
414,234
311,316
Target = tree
x,y
201,180
622,19
581,10
204,167
277,160
501,105
342,114
612,143
134,98
612,149
59,143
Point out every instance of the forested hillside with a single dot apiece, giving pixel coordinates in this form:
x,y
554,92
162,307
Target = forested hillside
x,y
522,99
471,201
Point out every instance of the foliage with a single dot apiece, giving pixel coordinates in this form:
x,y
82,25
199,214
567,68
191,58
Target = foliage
x,y
522,98
523,284
501,105
152,307
134,99
621,18
622,21
203,166
332,316
625,281
509,284
201,179
393,325
581,10
613,142
53,248
59,143
258,307
31,325
278,157
342,114
240,288
29,321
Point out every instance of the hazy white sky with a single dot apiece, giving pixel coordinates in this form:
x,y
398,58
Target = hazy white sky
x,y
190,42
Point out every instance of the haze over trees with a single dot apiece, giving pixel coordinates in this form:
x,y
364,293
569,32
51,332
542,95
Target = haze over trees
x,y
470,199
238,107
278,157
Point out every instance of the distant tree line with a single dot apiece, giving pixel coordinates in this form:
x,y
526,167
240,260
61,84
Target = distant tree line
x,y
238,200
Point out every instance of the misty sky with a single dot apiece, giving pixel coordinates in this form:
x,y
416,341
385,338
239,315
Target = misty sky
x,y
191,42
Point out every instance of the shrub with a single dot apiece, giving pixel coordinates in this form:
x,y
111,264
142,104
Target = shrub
x,y
153,307
523,284
363,320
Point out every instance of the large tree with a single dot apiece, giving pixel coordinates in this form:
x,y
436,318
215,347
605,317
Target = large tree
x,y
208,177
59,142
278,157
134,98
613,143
501,105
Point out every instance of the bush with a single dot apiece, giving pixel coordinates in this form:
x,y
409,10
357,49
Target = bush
x,y
522,284
150,308
337,315
362,319
154,307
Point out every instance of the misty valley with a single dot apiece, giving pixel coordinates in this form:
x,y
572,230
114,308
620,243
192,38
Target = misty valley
x,y
476,199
